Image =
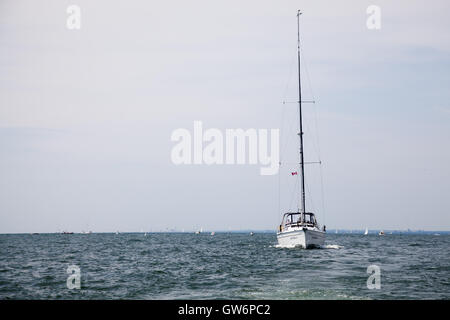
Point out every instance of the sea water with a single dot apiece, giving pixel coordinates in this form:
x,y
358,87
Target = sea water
x,y
223,266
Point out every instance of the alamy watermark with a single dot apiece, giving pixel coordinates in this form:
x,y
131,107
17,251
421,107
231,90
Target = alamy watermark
x,y
73,21
235,146
374,19
374,280
74,279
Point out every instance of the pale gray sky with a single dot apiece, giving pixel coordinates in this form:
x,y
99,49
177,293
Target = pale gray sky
x,y
86,115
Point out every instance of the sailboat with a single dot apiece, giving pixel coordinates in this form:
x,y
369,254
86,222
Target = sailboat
x,y
366,232
300,229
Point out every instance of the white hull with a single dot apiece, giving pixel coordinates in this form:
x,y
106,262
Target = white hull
x,y
309,238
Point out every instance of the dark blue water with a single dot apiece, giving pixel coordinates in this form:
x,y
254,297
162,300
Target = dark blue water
x,y
224,266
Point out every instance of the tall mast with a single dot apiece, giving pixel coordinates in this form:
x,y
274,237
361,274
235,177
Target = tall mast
x,y
302,165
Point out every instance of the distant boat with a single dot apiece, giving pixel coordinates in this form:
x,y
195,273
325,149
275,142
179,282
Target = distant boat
x,y
66,232
366,232
381,233
336,231
117,232
251,233
213,233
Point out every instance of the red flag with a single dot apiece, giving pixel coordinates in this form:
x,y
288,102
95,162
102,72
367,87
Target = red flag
x,y
294,173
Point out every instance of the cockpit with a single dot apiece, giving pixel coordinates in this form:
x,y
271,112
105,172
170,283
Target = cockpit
x,y
298,219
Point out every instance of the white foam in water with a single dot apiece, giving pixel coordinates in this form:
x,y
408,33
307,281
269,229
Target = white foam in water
x,y
284,246
331,246
327,246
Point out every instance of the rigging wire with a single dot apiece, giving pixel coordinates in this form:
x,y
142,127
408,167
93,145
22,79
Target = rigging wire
x,y
317,137
284,142
282,119
308,192
294,192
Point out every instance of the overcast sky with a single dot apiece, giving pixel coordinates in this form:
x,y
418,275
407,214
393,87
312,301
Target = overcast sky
x,y
86,115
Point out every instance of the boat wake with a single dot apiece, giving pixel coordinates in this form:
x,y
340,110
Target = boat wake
x,y
331,246
284,246
326,246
